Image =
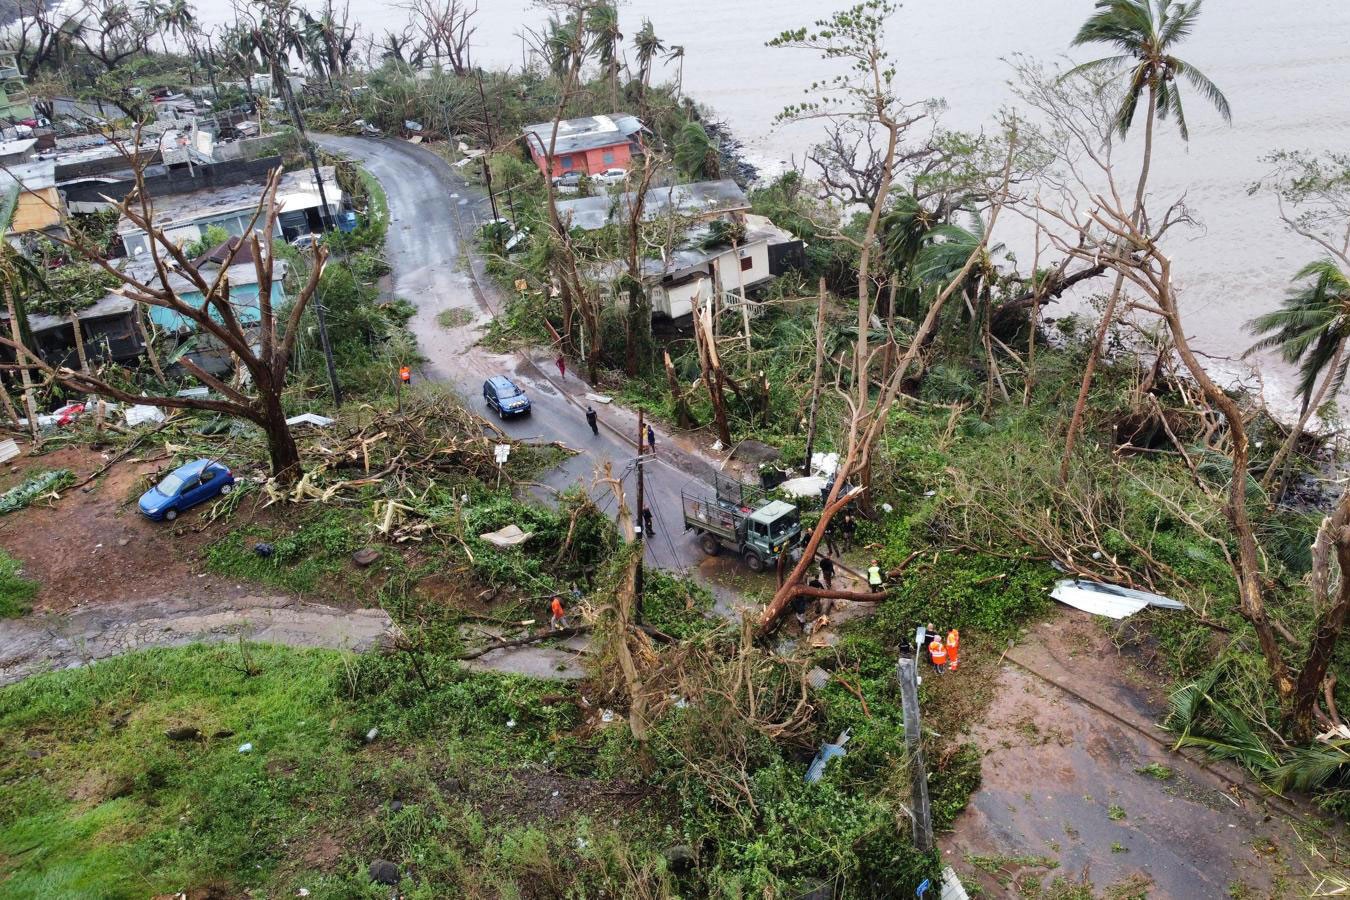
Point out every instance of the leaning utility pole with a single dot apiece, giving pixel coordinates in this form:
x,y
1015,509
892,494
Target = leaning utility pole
x,y
920,811
487,153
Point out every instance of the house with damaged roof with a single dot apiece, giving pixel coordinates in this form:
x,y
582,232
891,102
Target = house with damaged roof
x,y
588,145
717,251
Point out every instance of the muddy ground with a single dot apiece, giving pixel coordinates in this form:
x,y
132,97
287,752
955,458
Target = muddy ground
x,y
1080,787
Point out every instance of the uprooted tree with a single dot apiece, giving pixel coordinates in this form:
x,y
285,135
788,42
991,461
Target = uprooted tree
x,y
263,350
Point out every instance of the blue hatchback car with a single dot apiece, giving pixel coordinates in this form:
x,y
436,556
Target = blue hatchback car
x,y
185,487
505,396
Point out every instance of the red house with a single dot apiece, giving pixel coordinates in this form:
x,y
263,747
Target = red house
x,y
588,145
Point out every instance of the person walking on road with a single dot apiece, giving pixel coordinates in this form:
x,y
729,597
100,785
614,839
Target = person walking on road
x,y
827,571
558,617
651,438
953,649
591,420
937,652
562,366
647,528
848,527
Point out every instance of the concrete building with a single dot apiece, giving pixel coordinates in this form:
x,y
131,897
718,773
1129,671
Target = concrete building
x,y
588,145
186,217
705,265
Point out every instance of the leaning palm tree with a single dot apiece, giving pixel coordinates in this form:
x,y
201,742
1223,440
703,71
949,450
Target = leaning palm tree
x,y
1144,32
648,46
676,52
606,39
1311,330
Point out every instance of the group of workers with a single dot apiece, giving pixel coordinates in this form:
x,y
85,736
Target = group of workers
x,y
945,655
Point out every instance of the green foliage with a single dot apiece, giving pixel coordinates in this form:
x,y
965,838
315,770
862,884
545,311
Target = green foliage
x,y
33,488
213,237
311,554
16,592
695,153
676,606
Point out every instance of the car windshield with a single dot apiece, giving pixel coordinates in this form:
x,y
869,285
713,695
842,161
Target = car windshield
x,y
779,527
170,486
506,391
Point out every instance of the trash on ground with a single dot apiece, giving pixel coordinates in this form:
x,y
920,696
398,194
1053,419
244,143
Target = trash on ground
x,y
311,419
599,398
510,536
805,486
1110,600
200,393
827,752
607,716
30,489
246,748
140,414
824,464
817,678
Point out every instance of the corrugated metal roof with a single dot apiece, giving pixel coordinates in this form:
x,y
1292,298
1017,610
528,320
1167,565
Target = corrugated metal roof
x,y
586,133
702,198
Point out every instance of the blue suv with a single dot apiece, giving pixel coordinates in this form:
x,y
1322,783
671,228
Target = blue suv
x,y
503,395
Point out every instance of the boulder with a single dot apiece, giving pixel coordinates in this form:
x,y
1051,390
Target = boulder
x,y
382,871
365,556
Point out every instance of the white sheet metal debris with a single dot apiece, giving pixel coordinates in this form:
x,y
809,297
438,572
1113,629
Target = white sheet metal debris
x,y
510,536
1110,600
8,450
314,419
827,752
140,414
600,398
805,486
952,888
824,464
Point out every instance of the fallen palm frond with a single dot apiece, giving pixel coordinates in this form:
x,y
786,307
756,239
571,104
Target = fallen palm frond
x,y
34,488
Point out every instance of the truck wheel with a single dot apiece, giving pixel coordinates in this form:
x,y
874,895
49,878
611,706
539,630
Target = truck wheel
x,y
710,545
754,562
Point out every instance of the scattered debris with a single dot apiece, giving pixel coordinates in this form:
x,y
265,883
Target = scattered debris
x,y
246,748
365,556
186,733
599,398
805,486
311,419
8,450
382,871
827,752
1108,600
24,493
510,536
817,678
372,734
141,414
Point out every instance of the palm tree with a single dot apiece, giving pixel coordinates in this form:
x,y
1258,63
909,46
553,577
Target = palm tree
x,y
1144,32
1310,329
676,52
605,42
18,276
648,46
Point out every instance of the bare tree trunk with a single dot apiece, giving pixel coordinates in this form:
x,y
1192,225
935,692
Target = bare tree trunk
x,y
149,347
711,367
79,342
677,395
1109,313
1311,406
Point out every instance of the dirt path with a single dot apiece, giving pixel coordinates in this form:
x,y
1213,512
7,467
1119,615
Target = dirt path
x,y
50,641
1081,785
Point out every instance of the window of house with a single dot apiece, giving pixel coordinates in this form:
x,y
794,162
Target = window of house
x,y
747,263
609,157
566,161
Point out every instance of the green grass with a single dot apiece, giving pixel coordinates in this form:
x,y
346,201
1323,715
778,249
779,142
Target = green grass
x,y
16,592
307,557
96,801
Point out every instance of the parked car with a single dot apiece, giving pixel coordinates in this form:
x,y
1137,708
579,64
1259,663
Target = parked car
x,y
568,180
505,396
185,487
305,241
612,176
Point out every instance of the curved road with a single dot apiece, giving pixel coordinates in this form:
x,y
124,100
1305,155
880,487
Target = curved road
x,y
433,214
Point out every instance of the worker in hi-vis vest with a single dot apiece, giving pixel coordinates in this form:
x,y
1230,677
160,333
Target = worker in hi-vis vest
x,y
937,652
953,649
874,576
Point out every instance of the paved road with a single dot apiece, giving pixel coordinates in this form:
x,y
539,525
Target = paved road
x,y
433,213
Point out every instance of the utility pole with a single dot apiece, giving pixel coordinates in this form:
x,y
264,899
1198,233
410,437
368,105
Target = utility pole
x,y
815,381
320,310
922,813
642,530
491,142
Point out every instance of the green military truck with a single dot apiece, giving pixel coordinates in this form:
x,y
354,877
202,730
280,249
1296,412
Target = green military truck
x,y
739,518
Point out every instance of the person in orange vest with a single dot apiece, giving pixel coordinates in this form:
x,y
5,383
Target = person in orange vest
x,y
559,620
937,652
405,375
953,649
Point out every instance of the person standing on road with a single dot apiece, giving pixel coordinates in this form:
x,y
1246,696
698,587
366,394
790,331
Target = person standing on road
x,y
562,366
953,649
647,528
591,420
651,438
558,616
827,571
848,527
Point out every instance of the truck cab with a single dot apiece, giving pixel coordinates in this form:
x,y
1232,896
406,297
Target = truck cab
x,y
770,529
